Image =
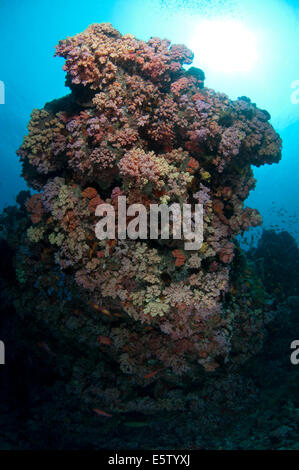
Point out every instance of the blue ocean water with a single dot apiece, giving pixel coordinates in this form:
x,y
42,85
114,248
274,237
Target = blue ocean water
x,y
245,47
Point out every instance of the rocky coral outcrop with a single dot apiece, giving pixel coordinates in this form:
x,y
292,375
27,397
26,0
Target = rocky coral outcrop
x,y
138,124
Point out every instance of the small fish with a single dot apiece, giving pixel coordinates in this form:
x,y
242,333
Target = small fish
x,y
100,309
104,340
151,374
45,346
102,413
106,312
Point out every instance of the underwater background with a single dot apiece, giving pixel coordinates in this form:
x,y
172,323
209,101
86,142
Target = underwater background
x,y
246,49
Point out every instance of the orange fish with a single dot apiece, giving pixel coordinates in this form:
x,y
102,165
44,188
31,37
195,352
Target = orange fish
x,y
102,413
104,340
151,374
99,309
119,315
106,312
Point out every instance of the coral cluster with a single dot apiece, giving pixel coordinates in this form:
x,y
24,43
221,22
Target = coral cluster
x,y
137,123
